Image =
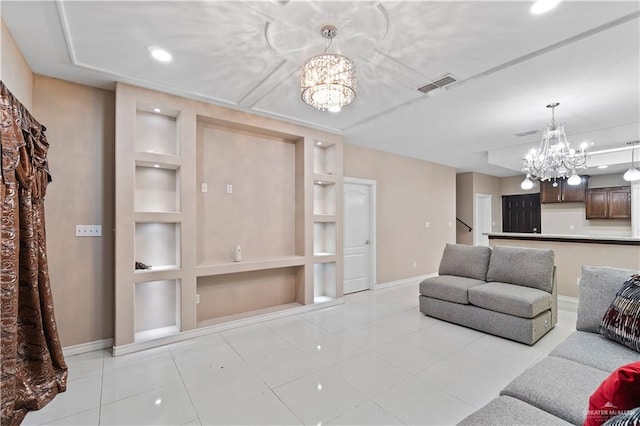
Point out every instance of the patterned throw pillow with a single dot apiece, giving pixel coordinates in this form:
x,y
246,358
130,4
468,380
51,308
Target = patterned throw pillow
x,y
621,322
630,418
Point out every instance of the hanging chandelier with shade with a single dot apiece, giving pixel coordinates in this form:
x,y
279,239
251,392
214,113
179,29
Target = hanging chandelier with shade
x,y
554,158
633,174
328,81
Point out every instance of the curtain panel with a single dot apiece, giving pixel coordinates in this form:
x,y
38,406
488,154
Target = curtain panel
x,y
33,370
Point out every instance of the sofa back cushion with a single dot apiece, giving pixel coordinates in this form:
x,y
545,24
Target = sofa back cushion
x,y
465,261
523,266
598,288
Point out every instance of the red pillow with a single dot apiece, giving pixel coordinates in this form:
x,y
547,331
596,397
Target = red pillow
x,y
617,393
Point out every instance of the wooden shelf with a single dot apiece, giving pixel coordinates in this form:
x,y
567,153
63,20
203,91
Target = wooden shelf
x,y
324,257
324,218
323,179
157,273
249,265
156,333
157,217
149,159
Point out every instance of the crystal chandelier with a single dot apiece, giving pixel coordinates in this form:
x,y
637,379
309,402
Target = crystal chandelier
x,y
328,81
554,158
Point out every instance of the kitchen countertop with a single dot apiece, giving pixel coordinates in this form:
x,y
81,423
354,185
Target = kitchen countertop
x,y
588,239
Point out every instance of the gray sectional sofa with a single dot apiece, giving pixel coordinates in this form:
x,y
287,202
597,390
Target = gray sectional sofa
x,y
506,291
556,390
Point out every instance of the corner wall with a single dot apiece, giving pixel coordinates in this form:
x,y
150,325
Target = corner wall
x,y
467,186
15,72
80,123
410,193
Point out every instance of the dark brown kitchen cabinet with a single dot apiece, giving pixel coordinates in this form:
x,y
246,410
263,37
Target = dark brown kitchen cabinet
x,y
609,203
563,192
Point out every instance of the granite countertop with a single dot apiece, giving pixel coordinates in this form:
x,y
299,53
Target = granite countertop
x,y
603,239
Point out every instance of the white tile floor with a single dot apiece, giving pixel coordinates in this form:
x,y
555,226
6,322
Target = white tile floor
x,y
374,360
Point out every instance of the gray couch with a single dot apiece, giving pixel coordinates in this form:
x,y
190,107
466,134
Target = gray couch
x,y
506,291
556,390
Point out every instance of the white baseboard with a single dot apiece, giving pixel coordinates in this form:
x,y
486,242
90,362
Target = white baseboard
x,y
87,347
568,303
404,281
139,346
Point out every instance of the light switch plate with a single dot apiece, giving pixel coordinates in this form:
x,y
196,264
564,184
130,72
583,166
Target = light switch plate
x,y
88,230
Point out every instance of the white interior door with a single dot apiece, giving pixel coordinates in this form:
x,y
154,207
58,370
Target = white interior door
x,y
357,237
483,219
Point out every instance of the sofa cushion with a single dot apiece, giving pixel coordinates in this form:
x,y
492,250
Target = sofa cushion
x,y
465,261
557,386
621,322
598,288
523,302
449,287
505,410
595,351
618,392
527,267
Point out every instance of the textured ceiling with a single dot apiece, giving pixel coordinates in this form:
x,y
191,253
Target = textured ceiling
x,y
508,65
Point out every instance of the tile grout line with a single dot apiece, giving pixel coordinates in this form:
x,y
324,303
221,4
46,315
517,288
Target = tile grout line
x,y
195,410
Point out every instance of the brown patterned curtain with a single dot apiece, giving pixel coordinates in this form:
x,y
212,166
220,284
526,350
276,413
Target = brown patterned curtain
x,y
33,367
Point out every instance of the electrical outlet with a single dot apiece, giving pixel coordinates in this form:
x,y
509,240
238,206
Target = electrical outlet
x,y
88,230
229,188
414,264
427,224
197,299
204,187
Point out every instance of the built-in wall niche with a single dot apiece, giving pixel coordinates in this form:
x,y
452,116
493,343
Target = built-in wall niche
x,y
156,132
158,245
324,282
232,296
324,238
324,197
324,158
157,311
156,188
250,195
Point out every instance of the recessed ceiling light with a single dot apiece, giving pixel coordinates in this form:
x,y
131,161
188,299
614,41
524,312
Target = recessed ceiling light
x,y
156,109
604,166
319,143
156,165
543,6
159,54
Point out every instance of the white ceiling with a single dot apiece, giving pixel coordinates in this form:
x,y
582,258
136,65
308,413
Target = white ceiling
x,y
508,65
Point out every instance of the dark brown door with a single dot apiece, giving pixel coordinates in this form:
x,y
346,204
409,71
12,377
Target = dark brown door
x,y
521,213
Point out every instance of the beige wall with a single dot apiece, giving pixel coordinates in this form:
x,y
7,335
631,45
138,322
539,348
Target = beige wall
x,y
467,186
14,70
464,207
570,257
410,192
569,218
80,130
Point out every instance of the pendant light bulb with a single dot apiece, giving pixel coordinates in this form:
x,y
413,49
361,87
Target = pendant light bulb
x,y
574,179
527,183
632,174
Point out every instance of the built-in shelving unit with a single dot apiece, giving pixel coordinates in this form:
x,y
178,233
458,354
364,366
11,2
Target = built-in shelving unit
x,y
194,181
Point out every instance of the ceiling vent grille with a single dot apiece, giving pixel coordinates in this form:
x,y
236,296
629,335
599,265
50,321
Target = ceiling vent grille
x,y
529,133
437,84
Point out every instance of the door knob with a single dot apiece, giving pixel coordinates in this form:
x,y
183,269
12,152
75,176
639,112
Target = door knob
x,y
366,242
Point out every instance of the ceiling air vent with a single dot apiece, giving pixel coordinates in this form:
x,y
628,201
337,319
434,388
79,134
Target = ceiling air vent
x,y
529,133
437,84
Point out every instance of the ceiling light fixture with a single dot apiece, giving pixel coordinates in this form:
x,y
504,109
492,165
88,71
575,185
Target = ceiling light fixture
x,y
555,158
632,174
543,6
160,54
328,81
